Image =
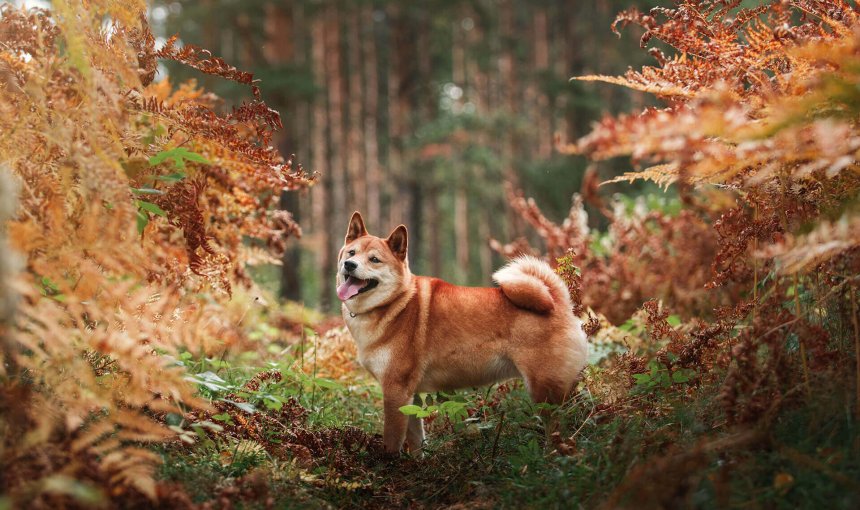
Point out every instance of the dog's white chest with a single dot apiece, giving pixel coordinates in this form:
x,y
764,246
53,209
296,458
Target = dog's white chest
x,y
375,360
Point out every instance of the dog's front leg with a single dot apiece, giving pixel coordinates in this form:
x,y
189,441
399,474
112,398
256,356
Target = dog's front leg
x,y
415,436
394,429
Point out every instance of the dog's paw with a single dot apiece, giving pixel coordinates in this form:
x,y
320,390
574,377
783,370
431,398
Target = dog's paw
x,y
391,456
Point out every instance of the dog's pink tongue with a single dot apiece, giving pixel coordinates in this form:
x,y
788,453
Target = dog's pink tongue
x,y
349,288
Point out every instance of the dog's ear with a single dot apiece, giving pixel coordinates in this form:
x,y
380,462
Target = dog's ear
x,y
397,242
356,228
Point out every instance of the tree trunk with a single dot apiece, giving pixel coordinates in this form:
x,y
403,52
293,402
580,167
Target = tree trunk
x,y
398,84
321,193
336,207
543,113
355,145
371,110
461,229
279,48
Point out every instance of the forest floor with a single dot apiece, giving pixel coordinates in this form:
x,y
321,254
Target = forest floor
x,y
295,424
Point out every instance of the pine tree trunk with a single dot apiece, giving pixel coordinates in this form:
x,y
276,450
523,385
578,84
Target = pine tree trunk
x,y
336,207
398,79
543,114
321,193
371,110
355,139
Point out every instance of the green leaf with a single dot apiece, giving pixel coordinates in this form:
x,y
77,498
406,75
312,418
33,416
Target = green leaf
x,y
171,178
627,326
641,378
173,419
450,408
222,417
209,425
680,377
248,408
673,321
272,402
327,383
178,155
150,207
48,285
83,493
146,191
142,222
411,410
210,380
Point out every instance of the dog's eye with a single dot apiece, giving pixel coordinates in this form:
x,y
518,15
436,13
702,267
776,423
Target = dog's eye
x,y
374,260
351,253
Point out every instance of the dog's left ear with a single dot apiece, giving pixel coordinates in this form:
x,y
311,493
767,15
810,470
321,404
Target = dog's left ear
x,y
356,228
397,242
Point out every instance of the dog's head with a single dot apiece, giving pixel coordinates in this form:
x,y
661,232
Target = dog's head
x,y
371,271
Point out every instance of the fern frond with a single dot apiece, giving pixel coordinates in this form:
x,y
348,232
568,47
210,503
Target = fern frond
x,y
825,242
664,89
662,175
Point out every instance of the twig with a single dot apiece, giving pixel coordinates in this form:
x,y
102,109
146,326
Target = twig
x,y
590,414
777,328
838,288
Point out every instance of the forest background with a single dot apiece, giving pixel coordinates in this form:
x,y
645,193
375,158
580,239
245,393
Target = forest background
x,y
419,113
140,364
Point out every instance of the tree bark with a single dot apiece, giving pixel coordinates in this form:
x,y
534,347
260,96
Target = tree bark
x,y
371,110
321,193
355,145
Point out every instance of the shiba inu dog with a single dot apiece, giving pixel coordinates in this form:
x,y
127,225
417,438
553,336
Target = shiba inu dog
x,y
421,334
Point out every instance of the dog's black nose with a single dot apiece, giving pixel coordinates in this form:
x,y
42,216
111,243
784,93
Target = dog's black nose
x,y
350,265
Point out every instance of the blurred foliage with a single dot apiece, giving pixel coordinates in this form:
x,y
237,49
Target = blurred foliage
x,y
449,112
135,201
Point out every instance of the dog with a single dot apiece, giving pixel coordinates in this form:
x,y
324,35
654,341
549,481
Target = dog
x,y
420,334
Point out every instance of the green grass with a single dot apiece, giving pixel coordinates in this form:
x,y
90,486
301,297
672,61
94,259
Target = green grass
x,y
669,448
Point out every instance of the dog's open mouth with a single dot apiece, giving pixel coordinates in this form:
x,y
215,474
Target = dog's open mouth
x,y
353,286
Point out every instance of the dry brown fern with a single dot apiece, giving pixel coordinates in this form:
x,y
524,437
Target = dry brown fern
x,y
759,136
134,201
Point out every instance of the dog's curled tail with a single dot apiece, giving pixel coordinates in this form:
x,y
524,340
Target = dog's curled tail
x,y
531,283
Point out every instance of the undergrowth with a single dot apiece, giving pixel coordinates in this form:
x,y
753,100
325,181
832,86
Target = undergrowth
x,y
496,454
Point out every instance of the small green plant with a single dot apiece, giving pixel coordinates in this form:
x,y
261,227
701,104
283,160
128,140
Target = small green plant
x,y
660,377
452,407
178,155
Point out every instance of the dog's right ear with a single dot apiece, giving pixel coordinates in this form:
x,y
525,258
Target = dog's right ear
x,y
356,228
